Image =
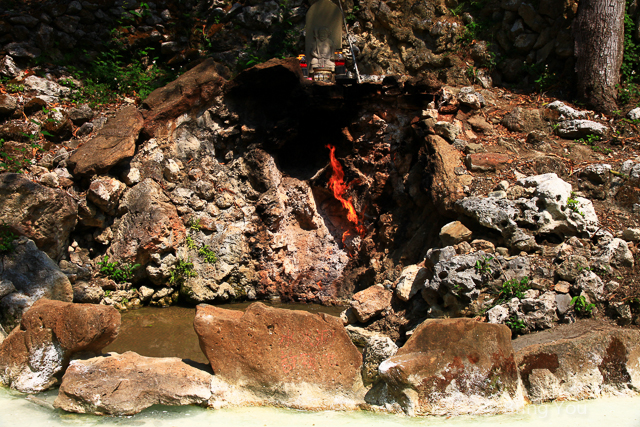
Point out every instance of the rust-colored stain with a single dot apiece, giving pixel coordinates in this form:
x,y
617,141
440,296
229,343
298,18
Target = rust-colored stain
x,y
614,363
538,361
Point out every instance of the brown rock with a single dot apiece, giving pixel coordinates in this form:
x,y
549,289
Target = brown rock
x,y
486,162
370,302
150,225
193,89
478,123
454,366
116,141
43,214
454,233
578,361
49,334
267,348
562,287
128,383
446,187
8,104
105,193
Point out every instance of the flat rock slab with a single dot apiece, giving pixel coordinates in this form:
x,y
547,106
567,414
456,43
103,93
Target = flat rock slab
x,y
115,142
454,366
34,354
486,162
43,214
128,383
267,349
583,360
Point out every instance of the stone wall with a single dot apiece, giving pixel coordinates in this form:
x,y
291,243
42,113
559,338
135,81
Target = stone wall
x,y
514,39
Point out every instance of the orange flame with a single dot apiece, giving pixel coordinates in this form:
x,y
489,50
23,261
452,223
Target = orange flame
x,y
337,185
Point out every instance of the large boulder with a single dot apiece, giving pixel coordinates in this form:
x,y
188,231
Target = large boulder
x,y
192,90
282,354
150,224
30,275
125,384
34,355
43,214
454,366
115,142
583,360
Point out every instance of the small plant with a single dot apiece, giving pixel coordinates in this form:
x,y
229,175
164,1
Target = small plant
x,y
581,307
6,239
14,88
516,325
125,301
572,203
191,244
194,224
482,265
351,16
513,288
208,255
107,293
181,272
117,271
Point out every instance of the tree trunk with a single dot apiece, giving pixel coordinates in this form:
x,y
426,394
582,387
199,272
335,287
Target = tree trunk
x,y
599,36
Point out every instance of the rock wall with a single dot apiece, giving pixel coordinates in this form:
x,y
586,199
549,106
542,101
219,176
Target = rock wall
x,y
507,41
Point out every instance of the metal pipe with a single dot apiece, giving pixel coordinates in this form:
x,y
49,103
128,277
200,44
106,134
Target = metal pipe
x,y
346,30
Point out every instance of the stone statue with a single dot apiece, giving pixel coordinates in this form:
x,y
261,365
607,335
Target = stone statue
x,y
323,34
322,50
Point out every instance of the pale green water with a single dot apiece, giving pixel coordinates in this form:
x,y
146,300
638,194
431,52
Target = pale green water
x,y
16,411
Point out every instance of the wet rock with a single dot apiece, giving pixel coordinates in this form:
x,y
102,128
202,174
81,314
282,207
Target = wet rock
x,y
271,349
454,233
580,129
50,333
43,214
125,384
150,224
115,142
370,302
583,360
430,376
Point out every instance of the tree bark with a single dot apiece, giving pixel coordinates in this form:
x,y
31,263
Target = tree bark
x,y
599,38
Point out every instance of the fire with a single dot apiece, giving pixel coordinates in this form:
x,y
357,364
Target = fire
x,y
338,186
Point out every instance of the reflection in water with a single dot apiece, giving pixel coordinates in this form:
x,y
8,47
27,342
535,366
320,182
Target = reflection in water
x,y
168,332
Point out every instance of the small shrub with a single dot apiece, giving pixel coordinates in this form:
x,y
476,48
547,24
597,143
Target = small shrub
x,y
572,204
208,255
181,272
6,239
516,325
194,224
513,289
191,244
581,307
482,265
117,271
